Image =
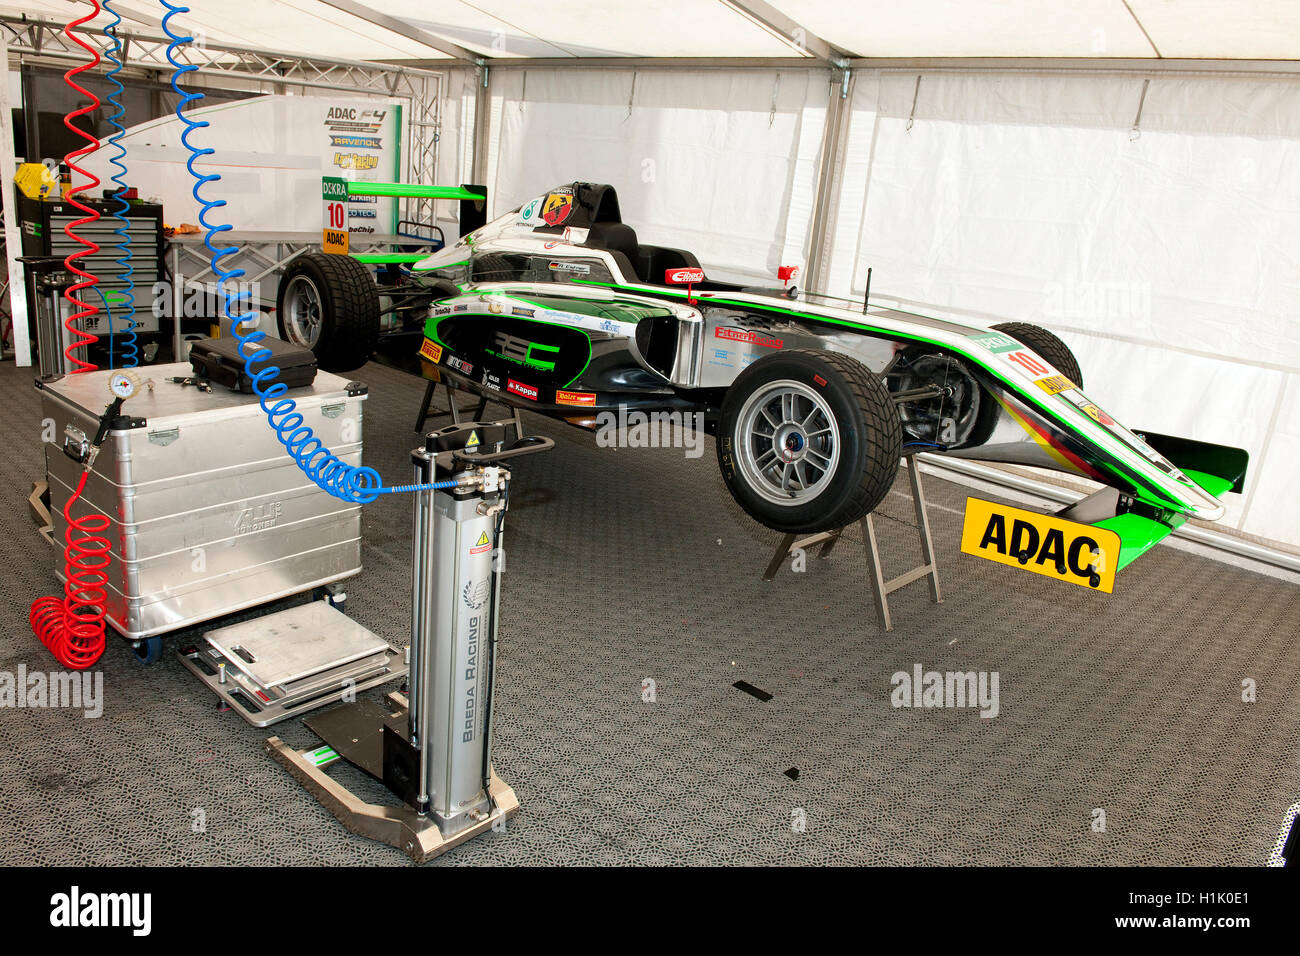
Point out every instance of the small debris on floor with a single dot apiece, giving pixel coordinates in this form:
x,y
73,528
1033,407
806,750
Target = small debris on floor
x,y
753,691
793,773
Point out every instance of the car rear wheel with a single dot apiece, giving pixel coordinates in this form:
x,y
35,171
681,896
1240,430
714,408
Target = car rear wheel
x,y
1047,345
808,441
329,304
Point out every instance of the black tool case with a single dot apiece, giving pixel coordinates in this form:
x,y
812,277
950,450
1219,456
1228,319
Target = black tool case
x,y
221,361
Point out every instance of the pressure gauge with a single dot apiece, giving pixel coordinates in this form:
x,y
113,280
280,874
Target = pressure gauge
x,y
123,384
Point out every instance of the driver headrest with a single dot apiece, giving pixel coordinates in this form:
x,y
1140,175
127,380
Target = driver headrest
x,y
616,236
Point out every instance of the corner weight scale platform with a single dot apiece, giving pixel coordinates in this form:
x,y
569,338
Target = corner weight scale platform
x,y
432,747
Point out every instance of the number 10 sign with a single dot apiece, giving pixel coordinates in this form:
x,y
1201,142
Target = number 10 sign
x,y
334,193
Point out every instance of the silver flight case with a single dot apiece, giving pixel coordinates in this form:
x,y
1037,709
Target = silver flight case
x,y
209,514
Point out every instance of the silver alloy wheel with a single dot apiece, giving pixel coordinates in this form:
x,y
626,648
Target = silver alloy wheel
x,y
302,312
788,442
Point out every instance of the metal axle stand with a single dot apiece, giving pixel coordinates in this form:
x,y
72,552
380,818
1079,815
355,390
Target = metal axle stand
x,y
880,588
428,409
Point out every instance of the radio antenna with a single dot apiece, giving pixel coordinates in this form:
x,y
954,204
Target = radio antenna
x,y
866,296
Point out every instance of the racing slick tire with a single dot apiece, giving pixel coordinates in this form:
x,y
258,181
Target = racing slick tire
x,y
808,440
329,304
1047,345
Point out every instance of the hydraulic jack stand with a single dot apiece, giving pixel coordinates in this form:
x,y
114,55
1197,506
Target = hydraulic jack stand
x,y
432,748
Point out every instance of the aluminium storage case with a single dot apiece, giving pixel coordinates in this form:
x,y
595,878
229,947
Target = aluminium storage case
x,y
208,512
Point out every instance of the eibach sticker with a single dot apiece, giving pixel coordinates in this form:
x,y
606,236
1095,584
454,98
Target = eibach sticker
x,y
519,388
575,398
431,350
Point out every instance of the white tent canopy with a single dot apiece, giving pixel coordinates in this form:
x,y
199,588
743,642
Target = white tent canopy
x,y
504,29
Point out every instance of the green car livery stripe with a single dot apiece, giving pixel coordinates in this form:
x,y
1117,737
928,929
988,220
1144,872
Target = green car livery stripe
x,y
1124,457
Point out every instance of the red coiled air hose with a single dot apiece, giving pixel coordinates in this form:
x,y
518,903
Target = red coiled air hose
x,y
72,626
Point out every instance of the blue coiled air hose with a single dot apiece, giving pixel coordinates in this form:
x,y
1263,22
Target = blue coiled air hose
x,y
352,483
130,352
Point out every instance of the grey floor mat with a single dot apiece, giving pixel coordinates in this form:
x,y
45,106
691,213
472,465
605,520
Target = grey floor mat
x,y
631,564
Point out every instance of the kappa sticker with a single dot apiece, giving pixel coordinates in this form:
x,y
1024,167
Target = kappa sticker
x,y
519,388
430,350
481,545
557,208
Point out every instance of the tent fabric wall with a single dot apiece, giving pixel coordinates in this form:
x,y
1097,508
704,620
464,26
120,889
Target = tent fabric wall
x,y
1167,257
723,163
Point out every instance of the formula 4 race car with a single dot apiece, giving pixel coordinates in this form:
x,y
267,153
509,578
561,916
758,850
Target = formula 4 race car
x,y
556,307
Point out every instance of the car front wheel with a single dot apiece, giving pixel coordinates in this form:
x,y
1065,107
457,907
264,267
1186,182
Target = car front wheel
x,y
808,440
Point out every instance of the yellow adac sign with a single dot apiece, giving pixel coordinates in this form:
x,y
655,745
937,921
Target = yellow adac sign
x,y
1061,549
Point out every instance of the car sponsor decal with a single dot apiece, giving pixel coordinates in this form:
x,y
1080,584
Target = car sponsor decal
x,y
685,276
520,310
558,207
481,545
430,350
819,380
356,142
1055,384
753,338
1044,544
357,161
519,388
575,398
1096,414
576,268
997,342
530,212
492,380
460,365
